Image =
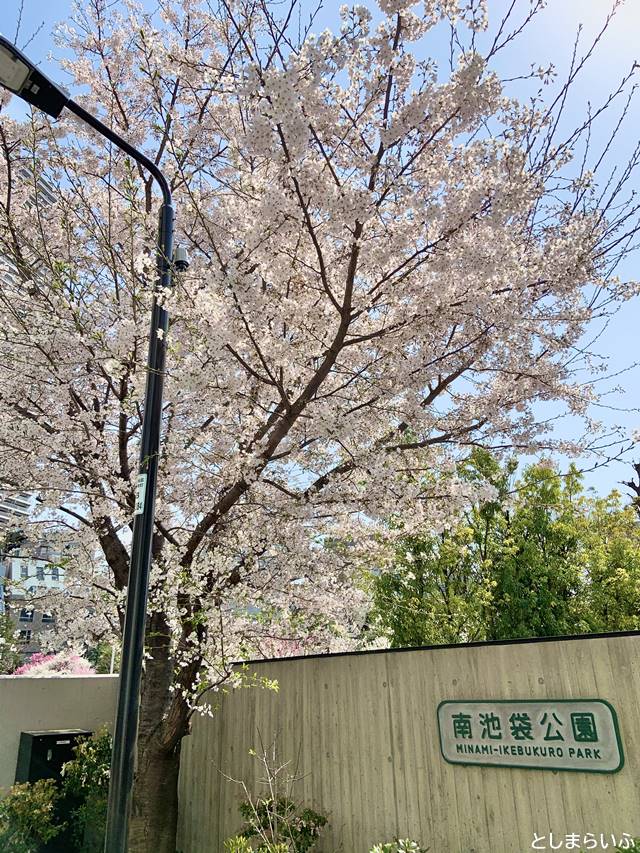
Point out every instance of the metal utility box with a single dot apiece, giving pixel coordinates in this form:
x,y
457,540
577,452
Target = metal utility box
x,y
42,754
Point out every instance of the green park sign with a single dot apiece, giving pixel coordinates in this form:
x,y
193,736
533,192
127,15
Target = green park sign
x,y
550,734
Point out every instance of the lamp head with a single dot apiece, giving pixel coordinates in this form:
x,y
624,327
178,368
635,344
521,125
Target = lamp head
x,y
20,76
181,259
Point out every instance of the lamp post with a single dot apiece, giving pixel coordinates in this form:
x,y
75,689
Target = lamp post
x,y
20,76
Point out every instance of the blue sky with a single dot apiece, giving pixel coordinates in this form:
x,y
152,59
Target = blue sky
x,y
549,39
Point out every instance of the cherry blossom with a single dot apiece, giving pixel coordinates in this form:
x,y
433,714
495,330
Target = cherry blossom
x,y
392,263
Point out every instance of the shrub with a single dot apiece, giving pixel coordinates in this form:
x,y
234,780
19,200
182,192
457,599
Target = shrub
x,y
281,825
400,845
237,844
27,817
30,814
62,663
275,823
85,785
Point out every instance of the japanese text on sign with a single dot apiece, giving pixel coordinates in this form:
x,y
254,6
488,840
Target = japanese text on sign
x,y
549,734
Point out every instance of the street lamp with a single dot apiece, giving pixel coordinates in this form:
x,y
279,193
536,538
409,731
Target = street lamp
x,y
20,76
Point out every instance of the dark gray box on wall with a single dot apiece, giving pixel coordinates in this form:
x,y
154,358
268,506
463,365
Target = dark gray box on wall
x,y
42,754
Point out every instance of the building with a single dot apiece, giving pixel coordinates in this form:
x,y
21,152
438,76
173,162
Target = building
x,y
30,572
14,507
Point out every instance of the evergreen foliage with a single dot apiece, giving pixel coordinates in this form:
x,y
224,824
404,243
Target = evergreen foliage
x,y
543,558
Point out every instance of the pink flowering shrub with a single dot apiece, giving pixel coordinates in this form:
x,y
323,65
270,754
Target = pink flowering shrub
x,y
62,663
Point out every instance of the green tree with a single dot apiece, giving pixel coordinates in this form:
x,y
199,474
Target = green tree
x,y
612,591
102,656
440,589
541,558
436,592
538,571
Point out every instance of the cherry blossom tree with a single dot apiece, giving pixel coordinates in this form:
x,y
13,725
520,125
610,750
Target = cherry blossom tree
x,y
392,263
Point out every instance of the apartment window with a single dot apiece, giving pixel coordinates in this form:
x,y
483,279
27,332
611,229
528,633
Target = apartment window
x,y
55,573
25,636
24,571
48,617
26,615
40,573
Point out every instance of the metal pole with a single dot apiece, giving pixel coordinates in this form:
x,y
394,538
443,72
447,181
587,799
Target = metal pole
x,y
125,734
35,88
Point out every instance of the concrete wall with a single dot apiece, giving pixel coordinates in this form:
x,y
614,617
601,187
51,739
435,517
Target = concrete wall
x,y
363,727
38,704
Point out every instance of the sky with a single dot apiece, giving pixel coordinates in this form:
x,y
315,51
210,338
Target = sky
x,y
549,39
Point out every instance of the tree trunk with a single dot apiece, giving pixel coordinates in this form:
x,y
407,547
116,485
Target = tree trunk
x,y
154,814
163,724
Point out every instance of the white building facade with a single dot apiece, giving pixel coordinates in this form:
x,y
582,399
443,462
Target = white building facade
x,y
14,508
32,576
